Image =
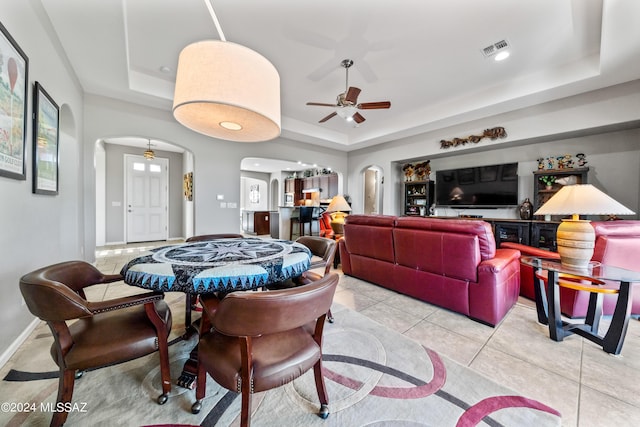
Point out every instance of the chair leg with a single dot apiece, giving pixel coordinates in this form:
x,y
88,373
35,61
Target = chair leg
x,y
245,412
65,393
201,388
321,389
330,316
163,350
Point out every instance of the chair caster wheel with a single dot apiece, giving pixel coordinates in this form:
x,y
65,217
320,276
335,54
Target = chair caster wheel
x,y
324,411
78,375
330,319
162,399
195,408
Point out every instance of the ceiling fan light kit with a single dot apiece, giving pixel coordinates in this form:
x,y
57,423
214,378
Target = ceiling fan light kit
x,y
227,91
346,105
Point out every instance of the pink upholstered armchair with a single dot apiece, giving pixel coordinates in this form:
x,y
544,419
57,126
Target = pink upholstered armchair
x,y
617,244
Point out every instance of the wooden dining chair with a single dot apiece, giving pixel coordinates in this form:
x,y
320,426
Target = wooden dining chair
x,y
103,333
242,336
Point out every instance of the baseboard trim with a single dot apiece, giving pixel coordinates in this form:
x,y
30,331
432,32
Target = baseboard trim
x,y
15,345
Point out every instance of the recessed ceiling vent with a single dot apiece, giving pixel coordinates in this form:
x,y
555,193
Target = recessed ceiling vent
x,y
495,48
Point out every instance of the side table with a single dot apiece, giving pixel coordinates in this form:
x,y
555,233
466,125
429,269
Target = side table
x,y
596,279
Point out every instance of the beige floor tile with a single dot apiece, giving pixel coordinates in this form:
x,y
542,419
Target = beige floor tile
x,y
391,317
411,305
599,409
455,346
353,300
461,324
521,336
375,292
532,381
616,376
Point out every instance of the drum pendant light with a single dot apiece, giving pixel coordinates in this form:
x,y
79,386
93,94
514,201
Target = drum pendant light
x,y
227,91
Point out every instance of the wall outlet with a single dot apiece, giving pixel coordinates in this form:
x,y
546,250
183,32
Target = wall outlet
x,y
223,205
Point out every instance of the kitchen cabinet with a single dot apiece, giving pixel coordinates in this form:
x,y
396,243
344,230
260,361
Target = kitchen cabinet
x,y
256,222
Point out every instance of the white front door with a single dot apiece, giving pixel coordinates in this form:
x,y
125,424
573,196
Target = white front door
x,y
146,210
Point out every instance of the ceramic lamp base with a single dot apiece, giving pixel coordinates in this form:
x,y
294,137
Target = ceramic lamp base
x,y
576,240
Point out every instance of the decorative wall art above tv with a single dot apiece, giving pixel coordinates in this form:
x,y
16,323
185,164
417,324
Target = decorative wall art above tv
x,y
494,186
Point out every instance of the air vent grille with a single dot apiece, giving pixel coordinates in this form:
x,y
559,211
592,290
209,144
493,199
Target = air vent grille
x,y
495,48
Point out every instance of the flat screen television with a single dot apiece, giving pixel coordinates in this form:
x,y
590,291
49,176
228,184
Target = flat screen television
x,y
494,186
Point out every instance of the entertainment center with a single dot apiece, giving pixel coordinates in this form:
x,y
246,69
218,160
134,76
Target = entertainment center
x,y
489,187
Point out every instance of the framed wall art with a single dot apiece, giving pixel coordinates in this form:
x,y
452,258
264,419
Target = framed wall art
x,y
14,69
45,142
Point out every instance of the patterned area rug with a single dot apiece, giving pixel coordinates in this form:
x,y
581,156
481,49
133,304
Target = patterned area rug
x,y
375,377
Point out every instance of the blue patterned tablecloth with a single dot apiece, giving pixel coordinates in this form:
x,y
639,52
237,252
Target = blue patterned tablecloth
x,y
218,265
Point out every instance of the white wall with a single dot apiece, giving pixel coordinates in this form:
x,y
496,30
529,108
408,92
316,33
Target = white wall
x,y
36,230
554,128
216,162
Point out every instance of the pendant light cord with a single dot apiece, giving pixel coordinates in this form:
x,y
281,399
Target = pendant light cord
x,y
215,20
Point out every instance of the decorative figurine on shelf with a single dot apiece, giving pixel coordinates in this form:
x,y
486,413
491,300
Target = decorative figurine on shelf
x,y
423,170
408,172
582,159
526,209
548,181
565,162
550,161
540,163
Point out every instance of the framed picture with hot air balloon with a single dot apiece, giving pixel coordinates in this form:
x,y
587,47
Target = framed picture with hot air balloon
x,y
14,67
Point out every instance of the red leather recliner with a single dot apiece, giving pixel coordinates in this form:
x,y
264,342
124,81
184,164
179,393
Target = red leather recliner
x,y
617,244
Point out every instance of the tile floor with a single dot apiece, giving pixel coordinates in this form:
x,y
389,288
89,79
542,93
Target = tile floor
x,y
588,386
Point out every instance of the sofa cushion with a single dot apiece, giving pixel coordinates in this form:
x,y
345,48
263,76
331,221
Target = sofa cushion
x,y
444,253
370,236
482,229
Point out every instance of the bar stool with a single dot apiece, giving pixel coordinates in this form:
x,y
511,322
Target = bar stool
x,y
305,216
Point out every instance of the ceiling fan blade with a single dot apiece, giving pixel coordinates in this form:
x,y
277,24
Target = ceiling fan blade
x,y
352,95
328,117
320,104
374,105
357,117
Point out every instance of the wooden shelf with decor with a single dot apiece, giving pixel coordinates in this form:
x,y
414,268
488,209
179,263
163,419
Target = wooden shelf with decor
x,y
418,197
540,192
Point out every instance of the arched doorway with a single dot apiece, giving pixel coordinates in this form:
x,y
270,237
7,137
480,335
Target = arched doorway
x,y
372,178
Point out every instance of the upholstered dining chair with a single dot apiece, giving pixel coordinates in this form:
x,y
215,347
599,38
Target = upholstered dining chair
x,y
204,237
255,341
323,251
105,332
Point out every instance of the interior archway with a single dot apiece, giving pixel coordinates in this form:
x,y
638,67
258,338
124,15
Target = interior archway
x,y
372,180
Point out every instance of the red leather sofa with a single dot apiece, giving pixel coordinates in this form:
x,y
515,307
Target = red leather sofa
x,y
617,244
450,263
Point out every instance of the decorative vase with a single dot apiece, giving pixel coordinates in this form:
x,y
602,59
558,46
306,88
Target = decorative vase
x,y
548,187
526,209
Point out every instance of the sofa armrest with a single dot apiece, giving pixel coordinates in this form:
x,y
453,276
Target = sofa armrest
x,y
530,250
502,258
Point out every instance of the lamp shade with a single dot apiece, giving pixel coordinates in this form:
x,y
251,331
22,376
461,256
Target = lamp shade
x,y
227,91
576,238
582,199
338,204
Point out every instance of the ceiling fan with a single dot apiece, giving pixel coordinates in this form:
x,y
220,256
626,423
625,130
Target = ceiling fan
x,y
347,102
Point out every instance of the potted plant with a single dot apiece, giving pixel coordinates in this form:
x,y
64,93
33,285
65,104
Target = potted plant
x,y
548,181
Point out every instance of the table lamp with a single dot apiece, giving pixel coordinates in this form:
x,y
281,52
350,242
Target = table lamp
x,y
575,237
337,208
